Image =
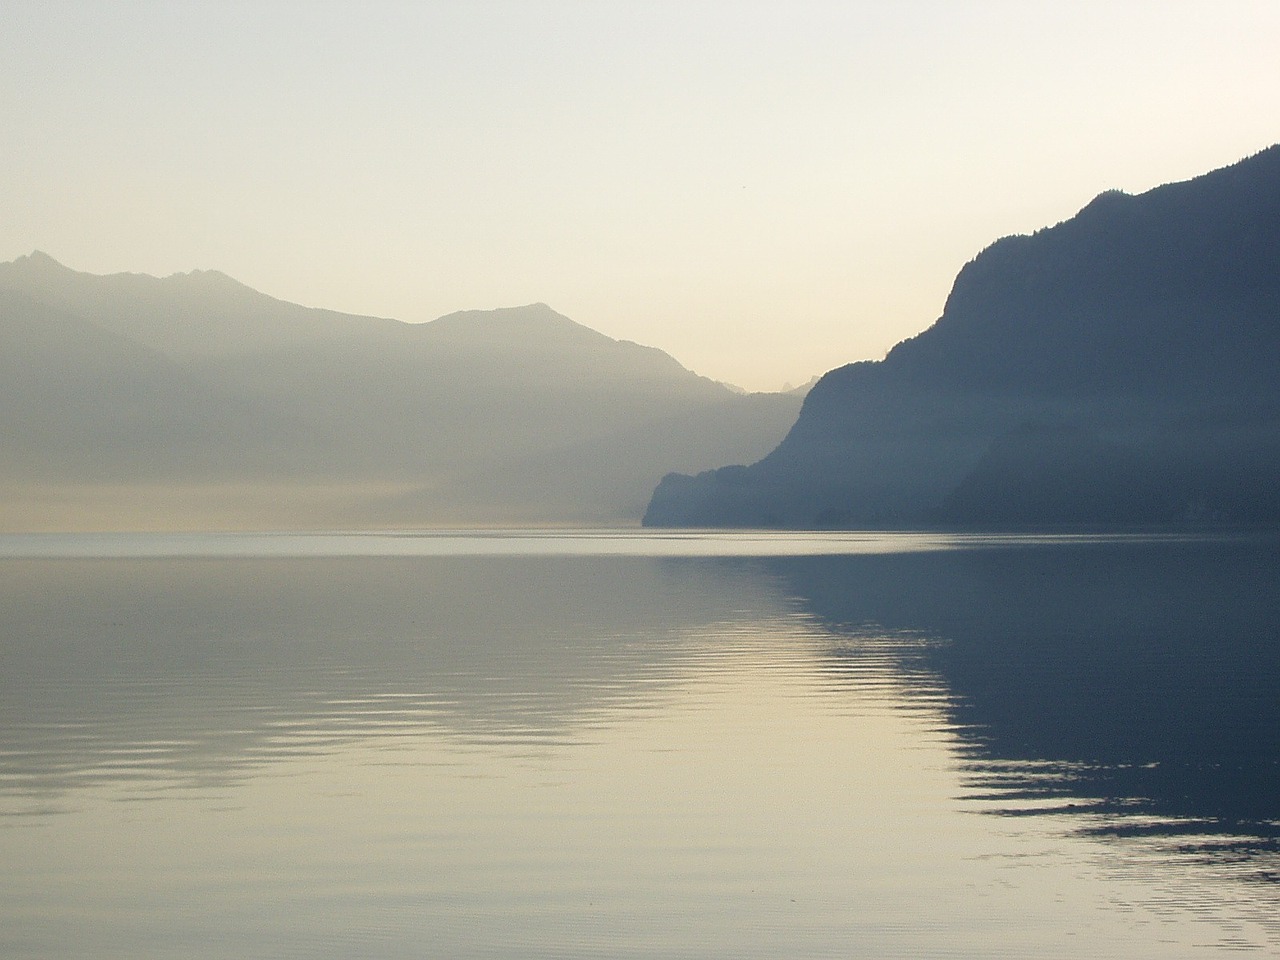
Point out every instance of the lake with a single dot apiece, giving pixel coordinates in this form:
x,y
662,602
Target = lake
x,y
633,744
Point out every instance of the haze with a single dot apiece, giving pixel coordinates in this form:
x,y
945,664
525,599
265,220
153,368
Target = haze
x,y
766,191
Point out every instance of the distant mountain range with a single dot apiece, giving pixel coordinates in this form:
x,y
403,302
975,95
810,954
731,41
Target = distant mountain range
x,y
192,400
1120,367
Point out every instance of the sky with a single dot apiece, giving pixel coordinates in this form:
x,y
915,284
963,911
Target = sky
x,y
765,190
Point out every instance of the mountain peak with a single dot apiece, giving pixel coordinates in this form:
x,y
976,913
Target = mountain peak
x,y
1105,201
534,319
38,260
209,279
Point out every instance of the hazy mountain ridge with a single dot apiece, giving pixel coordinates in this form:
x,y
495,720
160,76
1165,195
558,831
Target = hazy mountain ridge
x,y
161,389
199,312
1121,366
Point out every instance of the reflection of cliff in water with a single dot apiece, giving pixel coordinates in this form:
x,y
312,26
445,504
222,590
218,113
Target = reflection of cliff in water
x,y
1140,681
1135,680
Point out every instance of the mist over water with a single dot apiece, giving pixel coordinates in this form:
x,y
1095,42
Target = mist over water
x,y
616,745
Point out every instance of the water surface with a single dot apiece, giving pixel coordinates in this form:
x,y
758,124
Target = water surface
x,y
589,744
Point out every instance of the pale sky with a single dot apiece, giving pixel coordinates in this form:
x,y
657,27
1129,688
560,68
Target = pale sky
x,y
765,190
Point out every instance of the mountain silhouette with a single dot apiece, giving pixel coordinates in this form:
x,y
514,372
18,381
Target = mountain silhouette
x,y
195,400
1122,366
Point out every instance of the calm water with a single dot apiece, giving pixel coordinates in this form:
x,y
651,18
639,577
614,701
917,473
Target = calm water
x,y
624,745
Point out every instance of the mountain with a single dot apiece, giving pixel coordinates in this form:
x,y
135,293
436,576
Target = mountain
x,y
193,400
201,312
1122,366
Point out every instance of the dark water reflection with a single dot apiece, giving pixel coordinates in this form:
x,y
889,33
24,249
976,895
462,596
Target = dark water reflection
x,y
1137,684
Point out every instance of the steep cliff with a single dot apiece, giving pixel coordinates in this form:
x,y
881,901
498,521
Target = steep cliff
x,y
1122,366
